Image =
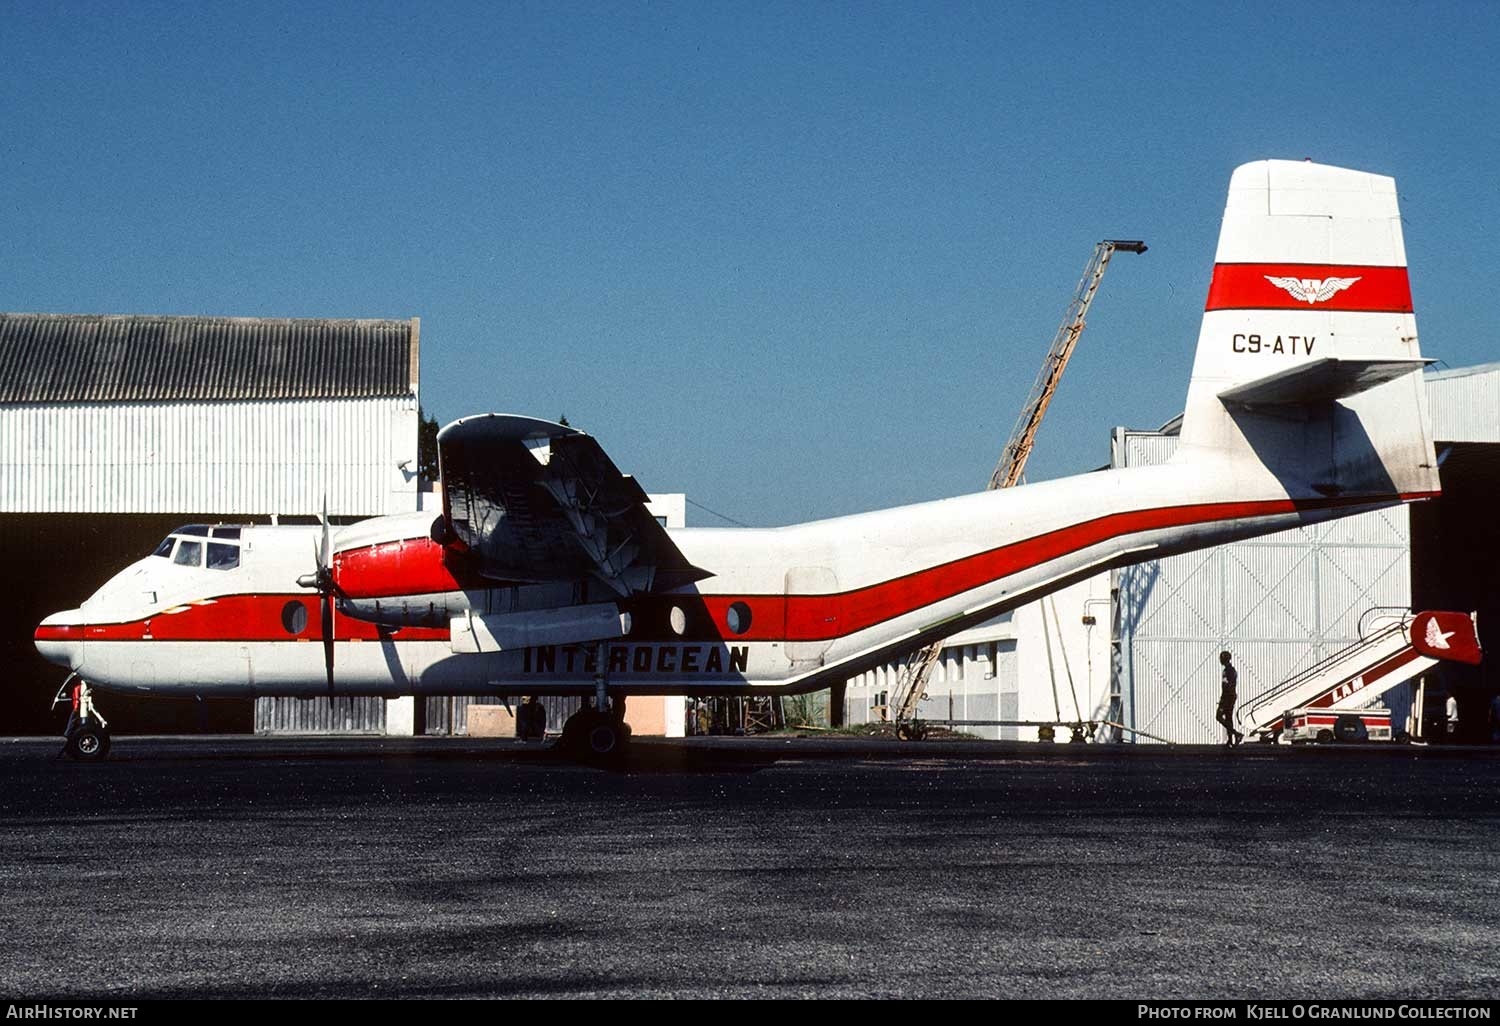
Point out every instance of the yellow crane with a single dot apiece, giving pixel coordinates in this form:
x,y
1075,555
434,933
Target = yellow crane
x,y
911,683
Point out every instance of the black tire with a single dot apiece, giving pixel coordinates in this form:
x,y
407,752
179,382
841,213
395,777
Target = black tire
x,y
604,738
89,745
591,737
1324,736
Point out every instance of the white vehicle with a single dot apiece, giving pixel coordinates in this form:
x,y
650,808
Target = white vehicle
x,y
545,574
1322,726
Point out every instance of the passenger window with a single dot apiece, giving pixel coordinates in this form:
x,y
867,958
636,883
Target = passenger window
x,y
223,532
189,553
222,557
165,548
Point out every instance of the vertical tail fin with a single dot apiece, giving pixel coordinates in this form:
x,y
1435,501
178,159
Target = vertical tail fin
x,y
1307,356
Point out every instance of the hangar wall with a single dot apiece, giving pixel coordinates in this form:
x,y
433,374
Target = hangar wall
x,y
280,455
1280,603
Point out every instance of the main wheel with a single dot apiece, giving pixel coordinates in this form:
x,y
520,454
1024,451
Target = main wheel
x,y
591,736
89,745
605,738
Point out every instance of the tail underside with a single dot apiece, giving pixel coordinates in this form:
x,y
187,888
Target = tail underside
x,y
1307,372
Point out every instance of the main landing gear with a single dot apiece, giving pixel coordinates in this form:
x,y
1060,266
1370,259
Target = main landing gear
x,y
595,735
598,733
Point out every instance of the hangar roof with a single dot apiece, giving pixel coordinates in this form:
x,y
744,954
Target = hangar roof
x,y
79,358
1463,401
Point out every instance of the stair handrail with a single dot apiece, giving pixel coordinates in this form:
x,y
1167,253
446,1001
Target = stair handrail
x,y
1292,683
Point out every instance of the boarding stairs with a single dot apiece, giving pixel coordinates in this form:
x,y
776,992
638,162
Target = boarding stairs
x,y
1394,647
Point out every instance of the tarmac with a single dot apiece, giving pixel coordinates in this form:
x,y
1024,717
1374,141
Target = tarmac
x,y
222,867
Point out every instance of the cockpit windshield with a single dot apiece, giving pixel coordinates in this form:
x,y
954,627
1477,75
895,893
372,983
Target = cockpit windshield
x,y
189,553
186,546
223,557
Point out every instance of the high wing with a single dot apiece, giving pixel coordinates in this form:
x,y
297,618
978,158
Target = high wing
x,y
540,502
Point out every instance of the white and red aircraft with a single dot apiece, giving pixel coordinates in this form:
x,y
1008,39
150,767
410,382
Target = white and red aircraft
x,y
545,573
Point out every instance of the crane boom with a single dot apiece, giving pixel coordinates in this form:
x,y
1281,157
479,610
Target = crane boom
x,y
912,681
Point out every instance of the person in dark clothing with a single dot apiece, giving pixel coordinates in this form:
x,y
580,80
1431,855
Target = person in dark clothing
x,y
531,720
1225,715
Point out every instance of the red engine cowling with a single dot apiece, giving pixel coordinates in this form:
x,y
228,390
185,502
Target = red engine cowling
x,y
402,582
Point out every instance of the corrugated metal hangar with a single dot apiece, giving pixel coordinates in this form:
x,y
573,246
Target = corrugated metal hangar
x,y
1281,603
116,429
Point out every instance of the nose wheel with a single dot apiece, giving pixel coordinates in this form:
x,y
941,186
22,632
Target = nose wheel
x,y
89,744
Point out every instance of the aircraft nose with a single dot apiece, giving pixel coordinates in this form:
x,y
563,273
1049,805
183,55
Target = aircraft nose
x,y
59,638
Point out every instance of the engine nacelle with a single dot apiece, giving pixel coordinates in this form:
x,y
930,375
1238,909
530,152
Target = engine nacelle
x,y
431,610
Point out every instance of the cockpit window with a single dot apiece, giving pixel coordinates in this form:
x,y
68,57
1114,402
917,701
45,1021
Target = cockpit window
x,y
221,556
189,553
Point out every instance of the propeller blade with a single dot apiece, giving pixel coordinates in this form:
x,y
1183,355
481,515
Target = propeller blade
x,y
327,602
326,541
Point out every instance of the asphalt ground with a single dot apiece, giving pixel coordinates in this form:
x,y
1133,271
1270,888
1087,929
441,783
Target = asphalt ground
x,y
254,867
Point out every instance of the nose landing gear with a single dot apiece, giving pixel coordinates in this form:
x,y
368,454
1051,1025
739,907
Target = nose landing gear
x,y
86,737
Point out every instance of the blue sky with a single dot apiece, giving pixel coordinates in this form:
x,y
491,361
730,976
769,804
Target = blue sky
x,y
796,260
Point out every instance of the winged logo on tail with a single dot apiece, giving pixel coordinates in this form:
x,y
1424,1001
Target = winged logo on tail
x,y
1313,290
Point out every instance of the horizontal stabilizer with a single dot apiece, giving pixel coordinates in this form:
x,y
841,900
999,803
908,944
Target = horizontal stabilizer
x,y
1320,381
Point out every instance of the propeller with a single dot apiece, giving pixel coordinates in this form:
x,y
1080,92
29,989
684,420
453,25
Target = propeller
x,y
328,590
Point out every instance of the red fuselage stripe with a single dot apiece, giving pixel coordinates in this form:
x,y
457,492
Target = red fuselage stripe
x,y
773,617
1248,287
242,618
